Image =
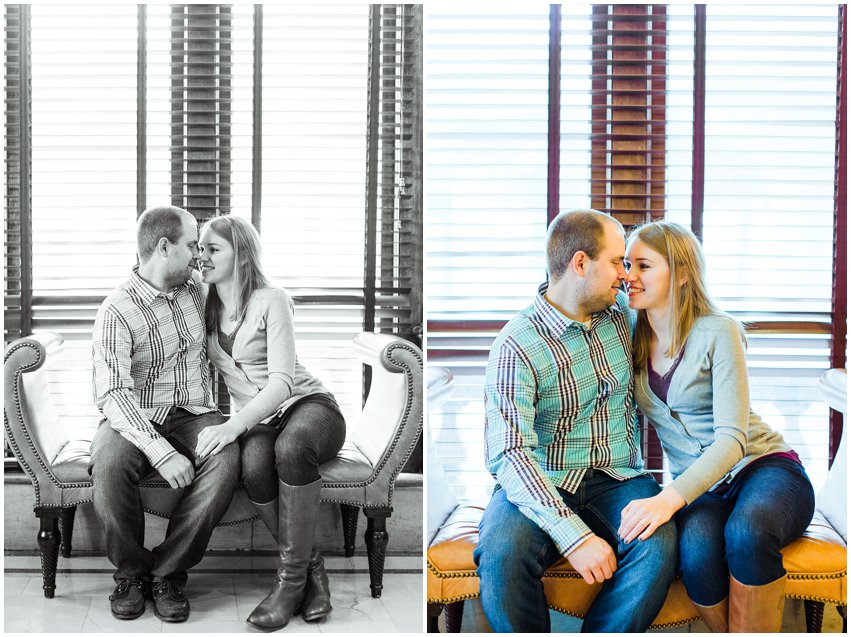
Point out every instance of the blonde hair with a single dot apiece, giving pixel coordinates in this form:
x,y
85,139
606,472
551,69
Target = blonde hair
x,y
688,293
247,270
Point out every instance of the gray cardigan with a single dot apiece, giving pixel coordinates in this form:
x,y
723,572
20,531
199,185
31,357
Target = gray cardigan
x,y
708,430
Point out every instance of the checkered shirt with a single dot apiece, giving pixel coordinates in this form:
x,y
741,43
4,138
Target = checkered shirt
x,y
150,355
559,401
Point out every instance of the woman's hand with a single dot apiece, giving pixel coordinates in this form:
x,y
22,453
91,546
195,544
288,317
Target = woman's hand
x,y
640,518
213,439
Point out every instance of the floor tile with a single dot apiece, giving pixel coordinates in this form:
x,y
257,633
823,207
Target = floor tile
x,y
15,583
221,596
363,627
38,615
70,585
100,620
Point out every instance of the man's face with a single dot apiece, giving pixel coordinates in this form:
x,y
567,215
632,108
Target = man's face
x,y
182,255
604,276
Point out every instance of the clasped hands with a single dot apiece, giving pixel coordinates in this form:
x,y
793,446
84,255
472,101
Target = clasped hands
x,y
179,471
595,560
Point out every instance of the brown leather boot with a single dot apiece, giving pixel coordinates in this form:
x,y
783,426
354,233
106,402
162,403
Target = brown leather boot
x,y
756,609
715,617
297,510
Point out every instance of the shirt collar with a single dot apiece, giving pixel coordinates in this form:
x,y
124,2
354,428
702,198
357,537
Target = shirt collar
x,y
148,292
557,322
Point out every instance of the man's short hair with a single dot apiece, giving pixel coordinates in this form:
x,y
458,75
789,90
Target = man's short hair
x,y
156,223
571,232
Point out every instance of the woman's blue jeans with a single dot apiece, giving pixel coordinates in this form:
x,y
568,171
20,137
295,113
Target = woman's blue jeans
x,y
740,532
513,553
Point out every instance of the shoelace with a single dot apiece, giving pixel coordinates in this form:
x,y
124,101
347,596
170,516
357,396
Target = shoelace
x,y
173,591
124,587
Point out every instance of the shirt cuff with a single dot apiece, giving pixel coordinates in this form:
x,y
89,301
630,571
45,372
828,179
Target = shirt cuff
x,y
158,451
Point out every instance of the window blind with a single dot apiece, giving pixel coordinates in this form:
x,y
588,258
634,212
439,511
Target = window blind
x,y
193,127
769,200
486,178
751,217
83,69
313,204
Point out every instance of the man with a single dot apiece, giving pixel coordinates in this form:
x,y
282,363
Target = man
x,y
563,444
152,384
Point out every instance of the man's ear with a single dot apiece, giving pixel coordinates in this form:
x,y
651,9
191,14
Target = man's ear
x,y
162,247
579,262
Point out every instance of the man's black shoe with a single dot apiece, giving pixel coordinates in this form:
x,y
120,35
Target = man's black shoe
x,y
128,599
170,604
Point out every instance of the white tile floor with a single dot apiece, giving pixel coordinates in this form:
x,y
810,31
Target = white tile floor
x,y
221,597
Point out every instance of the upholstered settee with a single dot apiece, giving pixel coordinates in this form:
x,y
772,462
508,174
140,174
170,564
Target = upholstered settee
x,y
816,563
362,476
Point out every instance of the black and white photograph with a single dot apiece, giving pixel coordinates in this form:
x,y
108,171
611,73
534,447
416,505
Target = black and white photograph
x,y
213,318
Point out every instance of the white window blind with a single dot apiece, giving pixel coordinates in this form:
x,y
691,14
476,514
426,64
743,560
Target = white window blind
x,y
768,205
314,178
84,98
83,180
486,184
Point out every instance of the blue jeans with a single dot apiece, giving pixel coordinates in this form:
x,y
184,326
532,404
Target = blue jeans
x,y
513,553
740,532
291,448
117,466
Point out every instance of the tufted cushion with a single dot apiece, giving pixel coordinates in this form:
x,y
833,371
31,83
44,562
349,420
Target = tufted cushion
x,y
832,499
49,436
350,465
72,462
441,500
816,564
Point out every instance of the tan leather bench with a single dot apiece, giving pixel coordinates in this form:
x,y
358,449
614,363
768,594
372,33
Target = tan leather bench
x,y
362,475
816,565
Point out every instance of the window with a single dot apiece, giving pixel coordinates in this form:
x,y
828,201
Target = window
x,y
627,105
256,111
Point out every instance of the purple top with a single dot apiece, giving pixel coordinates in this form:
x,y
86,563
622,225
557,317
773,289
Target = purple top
x,y
660,384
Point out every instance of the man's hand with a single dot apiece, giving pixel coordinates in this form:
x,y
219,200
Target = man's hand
x,y
640,518
178,470
594,560
215,438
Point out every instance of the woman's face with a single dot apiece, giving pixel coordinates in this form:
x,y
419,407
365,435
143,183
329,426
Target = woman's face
x,y
216,257
649,277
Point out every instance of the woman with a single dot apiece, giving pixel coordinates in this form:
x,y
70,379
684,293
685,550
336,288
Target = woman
x,y
739,491
286,421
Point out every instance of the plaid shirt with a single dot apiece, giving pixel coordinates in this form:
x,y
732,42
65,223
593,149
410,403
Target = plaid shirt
x,y
559,401
150,355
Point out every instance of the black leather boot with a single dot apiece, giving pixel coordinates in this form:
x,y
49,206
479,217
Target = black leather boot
x,y
297,510
317,596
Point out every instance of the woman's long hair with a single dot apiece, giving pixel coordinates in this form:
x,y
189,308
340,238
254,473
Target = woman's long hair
x,y
689,297
247,271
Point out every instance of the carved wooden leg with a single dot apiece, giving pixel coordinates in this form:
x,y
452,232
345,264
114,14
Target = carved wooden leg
x,y
813,613
843,612
376,546
66,529
433,611
350,527
454,616
48,546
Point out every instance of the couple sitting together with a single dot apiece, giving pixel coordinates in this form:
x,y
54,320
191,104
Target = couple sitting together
x,y
151,343
562,440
